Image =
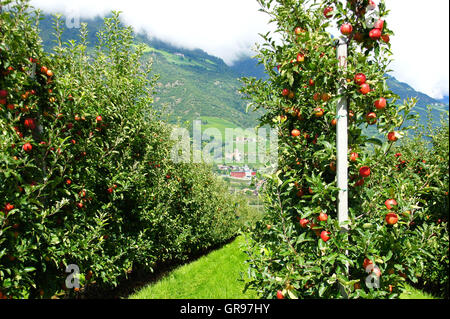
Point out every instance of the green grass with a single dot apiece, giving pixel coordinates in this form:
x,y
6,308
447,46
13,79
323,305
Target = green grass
x,y
171,58
413,293
215,276
217,123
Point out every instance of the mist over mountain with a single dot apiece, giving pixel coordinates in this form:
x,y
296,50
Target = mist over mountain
x,y
195,85
445,100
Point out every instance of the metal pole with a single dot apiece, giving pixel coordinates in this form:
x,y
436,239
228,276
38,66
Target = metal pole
x,y
342,141
342,148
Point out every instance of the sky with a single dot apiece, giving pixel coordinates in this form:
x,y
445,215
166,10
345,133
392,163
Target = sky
x,y
229,29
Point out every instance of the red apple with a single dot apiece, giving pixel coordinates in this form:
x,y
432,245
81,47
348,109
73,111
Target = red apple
x,y
360,182
365,88
390,203
3,93
327,12
379,24
323,217
380,103
325,235
360,78
375,34
346,29
99,118
300,57
371,118
364,171
393,136
285,92
385,38
358,37
304,223
8,208
367,263
333,166
29,124
354,157
326,97
27,147
391,219
318,112
372,5
295,133
280,294
291,95
377,271
298,30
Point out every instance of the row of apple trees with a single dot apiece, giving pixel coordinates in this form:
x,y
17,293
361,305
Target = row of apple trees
x,y
85,172
394,235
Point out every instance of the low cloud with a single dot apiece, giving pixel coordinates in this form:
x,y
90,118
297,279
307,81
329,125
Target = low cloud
x,y
228,29
421,44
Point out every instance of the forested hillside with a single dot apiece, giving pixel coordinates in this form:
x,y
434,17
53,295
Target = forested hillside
x,y
194,84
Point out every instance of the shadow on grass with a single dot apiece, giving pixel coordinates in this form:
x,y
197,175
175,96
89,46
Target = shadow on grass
x,y
139,278
433,289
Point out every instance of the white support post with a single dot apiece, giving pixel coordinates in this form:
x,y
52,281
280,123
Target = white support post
x,y
342,141
342,148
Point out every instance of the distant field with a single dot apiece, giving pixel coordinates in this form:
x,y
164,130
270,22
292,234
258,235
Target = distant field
x,y
172,58
221,125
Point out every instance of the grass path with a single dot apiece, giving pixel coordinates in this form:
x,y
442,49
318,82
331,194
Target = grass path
x,y
413,293
217,276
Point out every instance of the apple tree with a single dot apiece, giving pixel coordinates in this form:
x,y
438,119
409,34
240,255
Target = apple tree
x,y
86,177
300,249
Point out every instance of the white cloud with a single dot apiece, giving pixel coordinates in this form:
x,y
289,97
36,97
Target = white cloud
x,y
421,44
228,29
225,29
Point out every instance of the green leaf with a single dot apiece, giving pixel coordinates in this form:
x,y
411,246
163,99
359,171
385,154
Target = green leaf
x,y
374,141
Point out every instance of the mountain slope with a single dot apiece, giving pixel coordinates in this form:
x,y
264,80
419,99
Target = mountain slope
x,y
192,84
